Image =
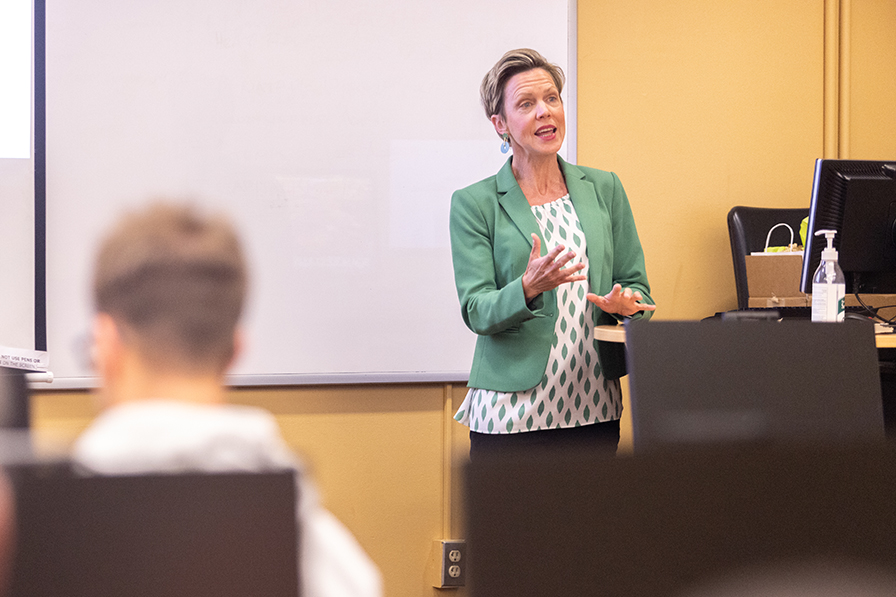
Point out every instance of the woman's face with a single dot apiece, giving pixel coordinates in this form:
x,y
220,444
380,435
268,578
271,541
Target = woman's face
x,y
533,115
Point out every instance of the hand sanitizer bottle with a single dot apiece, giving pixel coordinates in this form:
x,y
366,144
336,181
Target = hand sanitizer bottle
x,y
828,284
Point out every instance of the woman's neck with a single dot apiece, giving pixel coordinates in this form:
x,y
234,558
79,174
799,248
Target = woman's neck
x,y
540,180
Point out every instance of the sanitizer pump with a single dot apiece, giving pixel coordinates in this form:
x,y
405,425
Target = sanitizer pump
x,y
828,284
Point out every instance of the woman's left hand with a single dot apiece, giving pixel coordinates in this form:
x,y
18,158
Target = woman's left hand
x,y
619,301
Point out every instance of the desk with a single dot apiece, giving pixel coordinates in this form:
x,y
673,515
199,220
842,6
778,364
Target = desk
x,y
616,333
610,333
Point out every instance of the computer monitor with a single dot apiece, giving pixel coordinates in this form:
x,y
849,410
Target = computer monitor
x,y
857,198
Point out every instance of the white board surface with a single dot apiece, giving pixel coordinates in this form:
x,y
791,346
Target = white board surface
x,y
16,176
333,132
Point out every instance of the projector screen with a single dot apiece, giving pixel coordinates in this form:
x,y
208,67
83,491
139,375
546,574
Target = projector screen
x,y
332,132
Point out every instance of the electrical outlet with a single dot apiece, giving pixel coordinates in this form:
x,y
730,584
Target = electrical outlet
x,y
451,563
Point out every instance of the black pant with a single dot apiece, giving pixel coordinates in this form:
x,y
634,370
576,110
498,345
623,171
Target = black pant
x,y
598,438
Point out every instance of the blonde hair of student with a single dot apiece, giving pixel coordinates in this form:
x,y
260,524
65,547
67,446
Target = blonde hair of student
x,y
491,92
174,281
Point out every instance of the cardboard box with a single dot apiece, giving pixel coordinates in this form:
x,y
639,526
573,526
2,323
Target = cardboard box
x,y
773,280
885,302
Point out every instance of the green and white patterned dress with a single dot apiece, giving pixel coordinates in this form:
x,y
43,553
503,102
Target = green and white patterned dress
x,y
573,391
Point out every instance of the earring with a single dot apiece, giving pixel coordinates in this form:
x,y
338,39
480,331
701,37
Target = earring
x,y
505,146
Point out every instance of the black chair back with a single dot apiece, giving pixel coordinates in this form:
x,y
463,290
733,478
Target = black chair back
x,y
657,525
215,535
719,382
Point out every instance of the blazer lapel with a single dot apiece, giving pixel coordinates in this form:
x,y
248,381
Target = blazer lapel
x,y
592,218
583,197
515,204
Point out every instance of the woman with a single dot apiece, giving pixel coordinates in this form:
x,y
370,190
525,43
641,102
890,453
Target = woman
x,y
543,251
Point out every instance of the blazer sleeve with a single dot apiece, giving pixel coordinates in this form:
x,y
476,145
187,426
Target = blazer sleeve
x,y
490,292
629,268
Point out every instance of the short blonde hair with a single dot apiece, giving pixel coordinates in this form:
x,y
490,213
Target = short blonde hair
x,y
175,282
491,92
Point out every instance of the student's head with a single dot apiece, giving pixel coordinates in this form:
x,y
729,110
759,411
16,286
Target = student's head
x,y
169,284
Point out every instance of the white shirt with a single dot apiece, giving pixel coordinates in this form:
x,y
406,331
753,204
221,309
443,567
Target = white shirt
x,y
163,436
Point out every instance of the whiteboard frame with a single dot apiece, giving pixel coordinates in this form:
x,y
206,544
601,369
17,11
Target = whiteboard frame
x,y
253,380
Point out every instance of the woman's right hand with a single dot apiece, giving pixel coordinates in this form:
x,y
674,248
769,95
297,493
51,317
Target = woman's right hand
x,y
548,272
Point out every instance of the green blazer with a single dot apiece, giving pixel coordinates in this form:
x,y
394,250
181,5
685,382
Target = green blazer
x,y
491,225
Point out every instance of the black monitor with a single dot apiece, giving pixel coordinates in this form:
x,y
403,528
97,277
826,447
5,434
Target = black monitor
x,y
857,198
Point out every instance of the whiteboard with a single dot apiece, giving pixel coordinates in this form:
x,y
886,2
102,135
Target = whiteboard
x,y
332,132
17,164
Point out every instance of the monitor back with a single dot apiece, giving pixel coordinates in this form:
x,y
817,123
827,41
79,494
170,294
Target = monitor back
x,y
155,535
753,381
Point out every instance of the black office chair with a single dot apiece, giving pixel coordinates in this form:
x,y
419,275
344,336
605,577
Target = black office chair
x,y
748,228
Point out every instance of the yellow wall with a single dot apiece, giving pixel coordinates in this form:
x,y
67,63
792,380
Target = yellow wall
x,y
698,105
869,120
